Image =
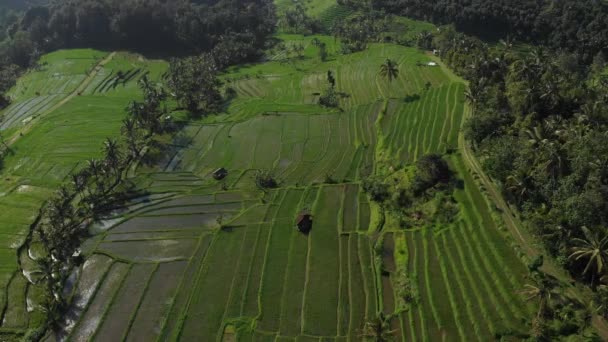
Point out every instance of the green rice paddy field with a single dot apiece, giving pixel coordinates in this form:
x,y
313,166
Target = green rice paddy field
x,y
161,269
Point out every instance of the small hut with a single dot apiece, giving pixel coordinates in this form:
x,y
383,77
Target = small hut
x,y
220,173
304,222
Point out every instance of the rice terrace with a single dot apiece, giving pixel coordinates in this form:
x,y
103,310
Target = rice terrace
x,y
311,174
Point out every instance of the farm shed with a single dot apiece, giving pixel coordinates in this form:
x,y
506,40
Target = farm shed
x,y
304,222
220,173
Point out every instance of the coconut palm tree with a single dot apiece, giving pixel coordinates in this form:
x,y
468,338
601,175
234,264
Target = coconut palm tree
x,y
550,161
389,70
545,290
471,98
520,185
594,249
130,131
113,155
507,43
94,168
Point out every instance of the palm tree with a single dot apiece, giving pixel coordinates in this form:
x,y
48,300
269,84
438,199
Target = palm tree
x,y
94,168
112,154
377,330
537,135
130,131
594,248
544,289
507,43
389,70
520,185
471,98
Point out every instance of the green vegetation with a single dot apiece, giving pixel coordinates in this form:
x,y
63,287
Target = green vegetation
x,y
119,228
259,274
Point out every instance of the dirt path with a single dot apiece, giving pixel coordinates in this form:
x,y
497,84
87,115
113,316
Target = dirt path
x,y
83,85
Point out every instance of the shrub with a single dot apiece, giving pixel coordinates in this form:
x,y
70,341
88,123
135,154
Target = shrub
x,y
601,300
330,98
378,191
264,179
329,179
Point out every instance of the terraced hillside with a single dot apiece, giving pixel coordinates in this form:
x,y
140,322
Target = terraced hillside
x,y
53,126
200,259
197,259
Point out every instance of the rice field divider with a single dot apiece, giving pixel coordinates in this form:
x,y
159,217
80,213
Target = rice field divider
x,y
417,309
340,227
496,216
507,306
257,243
141,299
136,211
300,208
426,121
306,281
277,160
474,247
230,292
416,126
442,116
449,120
350,280
411,254
487,240
480,283
91,299
429,130
267,248
152,212
111,303
4,309
409,138
427,279
464,292
452,300
183,312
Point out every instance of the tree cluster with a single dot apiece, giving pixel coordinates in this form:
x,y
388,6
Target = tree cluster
x,y
330,97
357,31
295,20
194,83
417,195
154,26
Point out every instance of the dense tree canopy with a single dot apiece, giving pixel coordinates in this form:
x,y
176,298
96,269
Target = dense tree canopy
x,y
151,25
572,25
235,31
